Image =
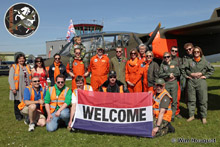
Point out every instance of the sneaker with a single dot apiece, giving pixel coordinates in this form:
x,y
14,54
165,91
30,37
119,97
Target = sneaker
x,y
204,121
190,119
179,116
31,127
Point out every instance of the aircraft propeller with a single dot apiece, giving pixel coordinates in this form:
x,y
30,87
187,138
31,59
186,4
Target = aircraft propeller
x,y
150,40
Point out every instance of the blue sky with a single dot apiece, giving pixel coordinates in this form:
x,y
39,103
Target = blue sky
x,y
140,16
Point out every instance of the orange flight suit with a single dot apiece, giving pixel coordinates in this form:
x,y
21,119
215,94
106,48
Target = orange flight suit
x,y
178,98
143,58
145,80
78,70
99,69
133,74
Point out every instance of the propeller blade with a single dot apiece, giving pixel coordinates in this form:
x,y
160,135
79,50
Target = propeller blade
x,y
150,40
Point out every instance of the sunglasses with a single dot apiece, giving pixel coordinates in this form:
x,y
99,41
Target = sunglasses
x,y
166,57
196,52
77,53
60,82
174,51
38,61
118,51
148,56
36,81
158,85
112,77
133,53
189,49
57,58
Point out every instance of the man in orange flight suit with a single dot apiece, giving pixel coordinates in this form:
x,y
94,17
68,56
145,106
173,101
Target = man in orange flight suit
x,y
99,67
78,67
142,51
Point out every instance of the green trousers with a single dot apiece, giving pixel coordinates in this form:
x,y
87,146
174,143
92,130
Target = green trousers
x,y
197,90
163,130
172,88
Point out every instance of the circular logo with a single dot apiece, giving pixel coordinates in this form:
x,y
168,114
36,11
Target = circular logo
x,y
21,20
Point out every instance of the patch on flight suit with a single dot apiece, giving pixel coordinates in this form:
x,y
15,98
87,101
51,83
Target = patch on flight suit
x,y
192,64
103,61
75,63
53,68
81,62
95,60
172,66
142,65
165,67
123,60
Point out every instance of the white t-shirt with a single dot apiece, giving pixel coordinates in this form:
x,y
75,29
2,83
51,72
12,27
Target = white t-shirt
x,y
75,97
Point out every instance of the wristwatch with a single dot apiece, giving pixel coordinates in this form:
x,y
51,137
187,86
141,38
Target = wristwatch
x,y
158,126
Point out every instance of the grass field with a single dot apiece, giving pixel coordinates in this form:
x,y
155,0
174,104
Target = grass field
x,y
14,133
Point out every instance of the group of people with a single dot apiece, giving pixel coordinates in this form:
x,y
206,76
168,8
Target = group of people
x,y
30,92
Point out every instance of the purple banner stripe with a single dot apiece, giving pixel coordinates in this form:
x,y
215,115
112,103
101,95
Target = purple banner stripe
x,y
143,129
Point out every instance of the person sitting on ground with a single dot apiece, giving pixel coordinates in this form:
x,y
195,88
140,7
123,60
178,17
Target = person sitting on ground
x,y
162,111
32,104
113,85
80,84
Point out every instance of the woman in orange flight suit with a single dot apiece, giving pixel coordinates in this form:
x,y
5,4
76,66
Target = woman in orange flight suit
x,y
133,72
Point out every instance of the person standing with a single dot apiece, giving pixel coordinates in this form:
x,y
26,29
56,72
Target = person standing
x,y
150,71
78,67
133,72
162,111
56,68
57,100
32,104
99,67
19,78
118,63
197,71
175,57
169,71
142,51
40,71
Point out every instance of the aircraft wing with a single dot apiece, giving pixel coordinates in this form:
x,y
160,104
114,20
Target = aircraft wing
x,y
205,34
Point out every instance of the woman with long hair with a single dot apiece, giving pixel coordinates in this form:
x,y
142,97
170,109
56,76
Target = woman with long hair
x,y
198,70
133,72
40,71
19,78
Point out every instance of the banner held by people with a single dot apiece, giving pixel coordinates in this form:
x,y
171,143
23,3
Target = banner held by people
x,y
120,113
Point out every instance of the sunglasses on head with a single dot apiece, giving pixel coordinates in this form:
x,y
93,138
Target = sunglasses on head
x,y
166,57
60,82
174,51
36,81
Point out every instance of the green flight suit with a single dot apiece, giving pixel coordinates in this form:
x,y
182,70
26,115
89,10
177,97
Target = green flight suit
x,y
171,86
119,68
198,87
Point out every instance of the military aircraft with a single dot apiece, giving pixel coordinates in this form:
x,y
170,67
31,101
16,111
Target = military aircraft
x,y
205,34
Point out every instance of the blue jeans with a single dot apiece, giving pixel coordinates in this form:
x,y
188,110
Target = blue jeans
x,y
53,124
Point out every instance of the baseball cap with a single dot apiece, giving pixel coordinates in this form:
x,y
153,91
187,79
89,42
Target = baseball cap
x,y
112,73
160,81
